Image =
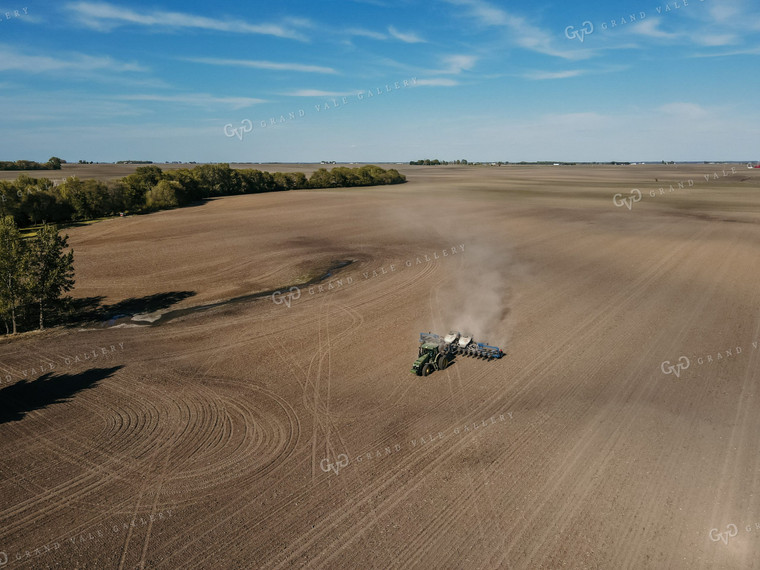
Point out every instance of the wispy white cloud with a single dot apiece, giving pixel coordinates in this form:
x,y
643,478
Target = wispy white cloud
x,y
437,82
366,34
485,13
66,107
554,74
716,40
104,17
727,11
318,93
523,33
200,99
728,23
651,29
455,64
748,51
406,37
393,33
539,74
709,35
14,60
258,64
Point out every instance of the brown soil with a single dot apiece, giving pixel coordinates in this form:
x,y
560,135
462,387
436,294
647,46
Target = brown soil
x,y
258,434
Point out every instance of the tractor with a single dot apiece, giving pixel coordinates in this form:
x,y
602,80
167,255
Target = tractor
x,y
432,356
437,352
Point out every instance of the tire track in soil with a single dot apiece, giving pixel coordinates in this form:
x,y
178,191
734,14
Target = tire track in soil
x,y
580,330
324,478
420,276
327,416
667,462
456,406
292,422
91,523
322,419
627,298
331,523
146,485
64,495
305,387
202,529
153,509
320,355
236,464
417,546
305,493
139,428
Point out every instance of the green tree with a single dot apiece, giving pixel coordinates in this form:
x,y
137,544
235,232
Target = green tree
x,y
13,285
256,181
163,195
51,270
88,199
281,181
149,174
189,190
217,179
40,207
298,180
54,163
137,185
320,178
4,312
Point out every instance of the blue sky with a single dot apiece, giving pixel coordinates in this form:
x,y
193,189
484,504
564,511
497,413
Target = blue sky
x,y
193,81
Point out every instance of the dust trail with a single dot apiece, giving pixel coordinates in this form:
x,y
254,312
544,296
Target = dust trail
x,y
480,292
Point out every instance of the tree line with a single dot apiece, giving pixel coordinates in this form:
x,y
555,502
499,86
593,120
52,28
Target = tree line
x,y
31,201
34,275
53,164
435,162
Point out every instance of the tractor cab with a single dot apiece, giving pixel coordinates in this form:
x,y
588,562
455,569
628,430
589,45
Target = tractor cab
x,y
428,347
431,357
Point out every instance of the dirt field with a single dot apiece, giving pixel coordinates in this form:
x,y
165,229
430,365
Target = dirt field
x,y
619,431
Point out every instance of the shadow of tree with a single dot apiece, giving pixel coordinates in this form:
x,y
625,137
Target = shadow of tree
x,y
23,396
89,309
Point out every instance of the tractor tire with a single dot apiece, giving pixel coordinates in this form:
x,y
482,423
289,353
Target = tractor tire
x,y
442,362
427,369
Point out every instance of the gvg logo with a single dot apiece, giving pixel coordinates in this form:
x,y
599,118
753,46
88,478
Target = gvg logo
x,y
730,532
571,33
279,298
635,196
342,461
682,364
246,126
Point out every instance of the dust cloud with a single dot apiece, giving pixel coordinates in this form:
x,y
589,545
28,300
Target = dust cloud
x,y
479,293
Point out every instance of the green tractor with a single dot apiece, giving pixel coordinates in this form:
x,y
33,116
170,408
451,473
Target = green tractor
x,y
437,352
432,356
